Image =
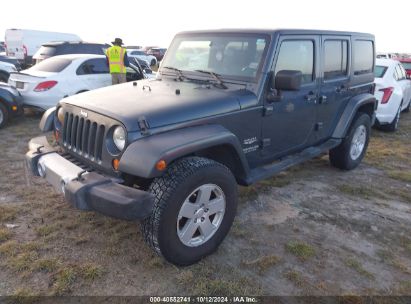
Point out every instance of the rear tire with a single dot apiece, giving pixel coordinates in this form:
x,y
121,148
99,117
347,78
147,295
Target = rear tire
x,y
393,126
349,154
189,182
4,116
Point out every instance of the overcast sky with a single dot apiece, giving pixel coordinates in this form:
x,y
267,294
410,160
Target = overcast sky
x,y
155,22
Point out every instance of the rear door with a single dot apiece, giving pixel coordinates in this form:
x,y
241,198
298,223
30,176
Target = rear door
x,y
93,74
288,124
334,93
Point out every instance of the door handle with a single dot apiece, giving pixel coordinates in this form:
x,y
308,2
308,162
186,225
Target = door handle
x,y
311,96
322,99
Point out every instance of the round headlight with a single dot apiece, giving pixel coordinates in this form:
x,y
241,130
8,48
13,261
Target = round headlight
x,y
119,137
60,115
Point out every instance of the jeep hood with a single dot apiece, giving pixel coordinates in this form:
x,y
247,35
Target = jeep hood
x,y
160,102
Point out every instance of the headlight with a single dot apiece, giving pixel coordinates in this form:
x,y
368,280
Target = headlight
x,y
60,116
119,137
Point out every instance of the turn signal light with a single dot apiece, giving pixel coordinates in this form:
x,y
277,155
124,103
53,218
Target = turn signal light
x,y
161,165
45,86
116,164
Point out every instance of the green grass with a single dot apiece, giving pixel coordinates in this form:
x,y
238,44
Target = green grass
x,y
90,271
300,249
64,280
45,230
295,277
46,265
22,261
263,263
354,264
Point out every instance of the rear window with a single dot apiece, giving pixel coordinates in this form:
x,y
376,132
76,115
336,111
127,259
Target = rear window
x,y
363,57
48,51
379,71
53,64
407,65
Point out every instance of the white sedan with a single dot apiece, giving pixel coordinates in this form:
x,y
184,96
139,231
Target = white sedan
x,y
45,84
393,92
136,53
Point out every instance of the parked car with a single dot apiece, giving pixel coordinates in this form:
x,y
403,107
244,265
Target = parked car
x,y
150,59
11,104
51,49
393,92
44,84
5,69
173,149
23,44
406,63
157,52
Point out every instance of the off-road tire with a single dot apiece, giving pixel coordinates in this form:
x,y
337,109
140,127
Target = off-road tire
x,y
170,191
393,126
4,115
340,156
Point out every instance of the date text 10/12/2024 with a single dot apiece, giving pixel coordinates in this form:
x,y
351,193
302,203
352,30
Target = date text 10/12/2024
x,y
205,299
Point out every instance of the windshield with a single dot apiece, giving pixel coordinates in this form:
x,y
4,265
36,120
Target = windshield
x,y
379,71
236,56
407,65
52,64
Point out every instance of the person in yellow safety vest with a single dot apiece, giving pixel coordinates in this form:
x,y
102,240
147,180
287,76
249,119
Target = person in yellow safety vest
x,y
117,61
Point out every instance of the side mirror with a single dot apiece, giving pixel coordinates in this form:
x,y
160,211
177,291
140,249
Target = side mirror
x,y
287,80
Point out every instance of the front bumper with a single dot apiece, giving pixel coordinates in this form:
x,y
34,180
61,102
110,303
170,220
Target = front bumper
x,y
87,190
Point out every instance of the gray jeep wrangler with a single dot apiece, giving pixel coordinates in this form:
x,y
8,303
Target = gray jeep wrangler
x,y
227,107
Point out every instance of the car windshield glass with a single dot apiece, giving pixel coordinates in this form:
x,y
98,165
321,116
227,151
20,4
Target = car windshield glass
x,y
407,65
51,65
235,56
379,71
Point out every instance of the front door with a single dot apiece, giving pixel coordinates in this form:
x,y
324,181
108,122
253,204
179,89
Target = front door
x,y
289,123
334,91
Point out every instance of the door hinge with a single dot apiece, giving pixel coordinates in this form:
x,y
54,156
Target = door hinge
x,y
265,142
268,110
319,126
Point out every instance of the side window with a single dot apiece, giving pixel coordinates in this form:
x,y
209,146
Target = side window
x,y
335,58
93,66
363,57
297,55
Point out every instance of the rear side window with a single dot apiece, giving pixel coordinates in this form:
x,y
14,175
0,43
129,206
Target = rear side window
x,y
335,58
297,55
380,70
52,64
93,66
363,57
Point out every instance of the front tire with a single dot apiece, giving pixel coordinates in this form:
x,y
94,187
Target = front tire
x,y
4,116
349,154
194,208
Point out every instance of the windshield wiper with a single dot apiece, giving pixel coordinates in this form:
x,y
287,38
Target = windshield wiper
x,y
179,72
215,76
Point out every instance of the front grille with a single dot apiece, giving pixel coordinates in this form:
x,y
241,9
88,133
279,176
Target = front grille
x,y
83,136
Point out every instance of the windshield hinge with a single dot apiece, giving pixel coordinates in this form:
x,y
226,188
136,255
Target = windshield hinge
x,y
143,124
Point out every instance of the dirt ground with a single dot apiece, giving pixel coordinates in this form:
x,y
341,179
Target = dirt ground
x,y
312,230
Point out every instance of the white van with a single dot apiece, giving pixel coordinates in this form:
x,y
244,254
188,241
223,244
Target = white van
x,y
22,44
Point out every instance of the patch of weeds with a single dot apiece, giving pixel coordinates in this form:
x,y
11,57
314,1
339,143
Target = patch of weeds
x,y
22,261
238,230
263,263
9,248
185,277
295,277
217,287
5,234
388,258
64,280
280,180
401,175
90,271
300,249
405,287
8,213
360,191
46,265
156,262
354,264
45,230
403,194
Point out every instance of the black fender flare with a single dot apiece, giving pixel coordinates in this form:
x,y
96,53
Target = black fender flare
x,y
140,158
352,107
